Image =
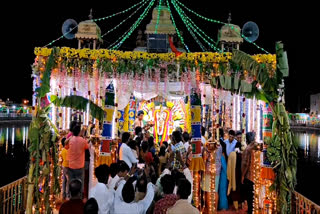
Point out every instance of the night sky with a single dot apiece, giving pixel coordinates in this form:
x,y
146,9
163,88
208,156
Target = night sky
x,y
38,23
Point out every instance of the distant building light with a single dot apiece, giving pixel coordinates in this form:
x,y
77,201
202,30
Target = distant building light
x,y
14,107
25,108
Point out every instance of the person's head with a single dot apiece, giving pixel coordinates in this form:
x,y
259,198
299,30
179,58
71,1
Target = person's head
x,y
221,133
167,182
132,144
72,125
138,130
145,146
232,135
102,173
186,136
165,143
140,114
76,130
176,137
179,129
203,131
151,142
176,174
128,191
63,140
125,137
210,146
75,188
113,169
162,151
238,136
91,206
141,185
250,137
184,188
123,168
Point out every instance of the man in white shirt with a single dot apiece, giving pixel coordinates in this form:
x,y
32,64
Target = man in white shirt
x,y
231,144
123,170
203,139
125,194
125,152
103,195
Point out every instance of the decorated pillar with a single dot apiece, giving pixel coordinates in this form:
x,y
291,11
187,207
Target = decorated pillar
x,y
132,113
197,164
105,147
267,121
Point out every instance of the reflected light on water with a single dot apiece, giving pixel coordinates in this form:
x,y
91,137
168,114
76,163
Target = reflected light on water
x,y
7,140
13,134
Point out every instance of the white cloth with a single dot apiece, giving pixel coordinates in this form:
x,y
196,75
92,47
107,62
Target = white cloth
x,y
113,181
127,155
121,207
187,145
203,140
104,197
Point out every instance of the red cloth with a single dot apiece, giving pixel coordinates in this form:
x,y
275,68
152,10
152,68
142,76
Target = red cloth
x,y
72,206
163,204
148,158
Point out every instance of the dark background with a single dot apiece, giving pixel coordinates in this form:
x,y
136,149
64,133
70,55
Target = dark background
x,y
37,23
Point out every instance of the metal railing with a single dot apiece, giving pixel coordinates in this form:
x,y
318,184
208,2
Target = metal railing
x,y
13,197
302,205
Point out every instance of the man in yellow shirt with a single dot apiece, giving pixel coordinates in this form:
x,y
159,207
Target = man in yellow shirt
x,y
65,167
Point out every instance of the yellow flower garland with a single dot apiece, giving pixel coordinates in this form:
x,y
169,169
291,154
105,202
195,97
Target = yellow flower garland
x,y
205,57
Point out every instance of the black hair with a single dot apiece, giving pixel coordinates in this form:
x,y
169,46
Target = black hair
x,y
132,144
177,175
102,173
141,185
144,146
128,193
203,130
125,137
238,133
123,166
250,137
137,130
75,187
186,136
76,130
72,125
167,183
151,142
162,151
231,132
177,136
63,140
165,143
140,112
91,206
184,188
221,133
179,129
113,169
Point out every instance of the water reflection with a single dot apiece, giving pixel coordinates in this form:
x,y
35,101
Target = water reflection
x,y
308,164
13,152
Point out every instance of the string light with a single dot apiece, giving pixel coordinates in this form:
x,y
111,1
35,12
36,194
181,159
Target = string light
x,y
117,26
158,18
133,27
188,27
95,20
177,30
196,29
219,22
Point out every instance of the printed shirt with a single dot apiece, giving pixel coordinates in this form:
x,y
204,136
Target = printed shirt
x,y
163,204
247,161
180,148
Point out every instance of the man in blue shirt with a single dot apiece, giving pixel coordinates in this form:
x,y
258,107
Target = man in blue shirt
x,y
231,144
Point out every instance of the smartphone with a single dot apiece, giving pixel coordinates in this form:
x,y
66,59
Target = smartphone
x,y
141,165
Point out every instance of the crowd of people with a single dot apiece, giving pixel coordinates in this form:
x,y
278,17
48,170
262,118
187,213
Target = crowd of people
x,y
152,178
